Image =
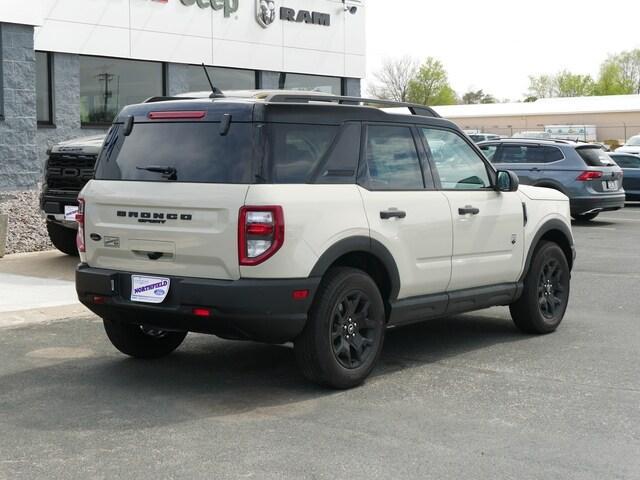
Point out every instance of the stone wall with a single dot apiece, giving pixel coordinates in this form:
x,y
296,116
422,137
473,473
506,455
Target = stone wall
x,y
19,166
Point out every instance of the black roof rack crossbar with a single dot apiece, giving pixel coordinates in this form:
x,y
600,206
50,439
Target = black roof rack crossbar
x,y
415,109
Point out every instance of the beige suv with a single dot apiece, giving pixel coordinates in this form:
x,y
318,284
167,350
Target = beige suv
x,y
283,217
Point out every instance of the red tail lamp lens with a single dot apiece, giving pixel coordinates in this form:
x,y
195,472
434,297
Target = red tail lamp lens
x,y
300,294
589,175
201,312
177,115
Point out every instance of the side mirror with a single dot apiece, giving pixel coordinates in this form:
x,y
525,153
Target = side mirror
x,y
507,181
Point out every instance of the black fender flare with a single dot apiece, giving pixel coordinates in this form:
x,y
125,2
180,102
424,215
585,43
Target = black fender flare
x,y
360,244
548,226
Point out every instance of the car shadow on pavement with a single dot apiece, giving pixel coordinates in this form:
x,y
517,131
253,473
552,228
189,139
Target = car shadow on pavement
x,y
592,223
208,378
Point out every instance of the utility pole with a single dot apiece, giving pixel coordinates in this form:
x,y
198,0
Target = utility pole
x,y
106,78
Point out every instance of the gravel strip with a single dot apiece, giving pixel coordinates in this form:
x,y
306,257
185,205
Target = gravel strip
x,y
27,229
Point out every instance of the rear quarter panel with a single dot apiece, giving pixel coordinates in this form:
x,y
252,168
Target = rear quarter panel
x,y
315,217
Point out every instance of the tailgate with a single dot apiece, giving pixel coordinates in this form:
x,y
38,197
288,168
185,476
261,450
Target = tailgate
x,y
181,229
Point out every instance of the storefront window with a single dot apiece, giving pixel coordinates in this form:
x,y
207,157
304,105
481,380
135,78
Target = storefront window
x,y
296,81
108,84
222,78
44,104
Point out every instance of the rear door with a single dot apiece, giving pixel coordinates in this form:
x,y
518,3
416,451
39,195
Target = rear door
x,y
166,199
405,213
488,226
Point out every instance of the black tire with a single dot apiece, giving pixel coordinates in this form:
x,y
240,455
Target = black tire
x,y
545,297
139,342
585,217
344,334
63,238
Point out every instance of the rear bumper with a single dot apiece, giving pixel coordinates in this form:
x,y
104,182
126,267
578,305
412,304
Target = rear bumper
x,y
52,205
602,203
251,309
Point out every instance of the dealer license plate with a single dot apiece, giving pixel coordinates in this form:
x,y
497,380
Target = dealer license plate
x,y
70,212
610,185
149,289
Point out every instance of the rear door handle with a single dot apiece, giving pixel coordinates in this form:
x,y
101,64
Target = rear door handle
x,y
534,169
387,214
468,210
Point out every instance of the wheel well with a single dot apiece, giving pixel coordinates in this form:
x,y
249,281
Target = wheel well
x,y
370,264
559,238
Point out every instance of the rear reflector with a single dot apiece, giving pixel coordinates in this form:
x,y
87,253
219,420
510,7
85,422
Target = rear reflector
x,y
300,294
201,312
177,115
98,300
589,175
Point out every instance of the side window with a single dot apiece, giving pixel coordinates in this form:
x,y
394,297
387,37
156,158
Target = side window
x,y
458,165
489,151
511,154
552,154
297,149
631,162
392,159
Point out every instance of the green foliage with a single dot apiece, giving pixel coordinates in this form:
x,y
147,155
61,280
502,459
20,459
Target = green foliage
x,y
610,81
431,86
476,97
574,85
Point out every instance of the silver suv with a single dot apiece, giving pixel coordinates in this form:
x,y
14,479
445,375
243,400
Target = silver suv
x,y
583,172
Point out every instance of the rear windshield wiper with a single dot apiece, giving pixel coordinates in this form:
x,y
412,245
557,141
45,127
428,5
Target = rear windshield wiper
x,y
169,173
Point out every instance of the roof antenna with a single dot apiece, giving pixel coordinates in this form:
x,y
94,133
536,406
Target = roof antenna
x,y
215,91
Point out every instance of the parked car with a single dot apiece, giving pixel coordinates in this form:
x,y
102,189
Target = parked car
x,y
632,146
630,165
533,134
284,217
483,137
582,171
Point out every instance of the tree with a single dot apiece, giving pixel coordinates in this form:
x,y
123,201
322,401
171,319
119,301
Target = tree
x,y
431,85
392,80
475,97
542,86
629,64
573,85
610,81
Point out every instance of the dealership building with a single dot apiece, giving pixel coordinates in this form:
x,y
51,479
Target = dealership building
x,y
68,66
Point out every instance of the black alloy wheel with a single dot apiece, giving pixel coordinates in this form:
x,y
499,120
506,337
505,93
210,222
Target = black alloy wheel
x,y
551,293
353,333
545,295
344,333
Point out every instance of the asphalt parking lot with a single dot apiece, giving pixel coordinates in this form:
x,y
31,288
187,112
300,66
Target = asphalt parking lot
x,y
465,397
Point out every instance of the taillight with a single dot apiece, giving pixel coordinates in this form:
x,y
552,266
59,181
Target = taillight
x,y
589,175
260,234
80,219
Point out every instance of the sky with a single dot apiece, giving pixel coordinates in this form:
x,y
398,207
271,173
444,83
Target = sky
x,y
495,45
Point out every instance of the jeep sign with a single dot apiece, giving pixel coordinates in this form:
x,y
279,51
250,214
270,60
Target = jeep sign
x,y
229,6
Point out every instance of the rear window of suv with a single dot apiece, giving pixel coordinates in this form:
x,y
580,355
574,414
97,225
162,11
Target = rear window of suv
x,y
595,156
197,152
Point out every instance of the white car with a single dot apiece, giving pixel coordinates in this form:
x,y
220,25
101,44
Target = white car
x,y
287,217
632,146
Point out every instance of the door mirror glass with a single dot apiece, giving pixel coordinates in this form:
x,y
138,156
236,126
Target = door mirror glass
x,y
507,181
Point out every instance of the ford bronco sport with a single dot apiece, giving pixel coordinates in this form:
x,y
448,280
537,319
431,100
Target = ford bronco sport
x,y
318,220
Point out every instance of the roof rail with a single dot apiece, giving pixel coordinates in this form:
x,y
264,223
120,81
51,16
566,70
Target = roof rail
x,y
414,108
